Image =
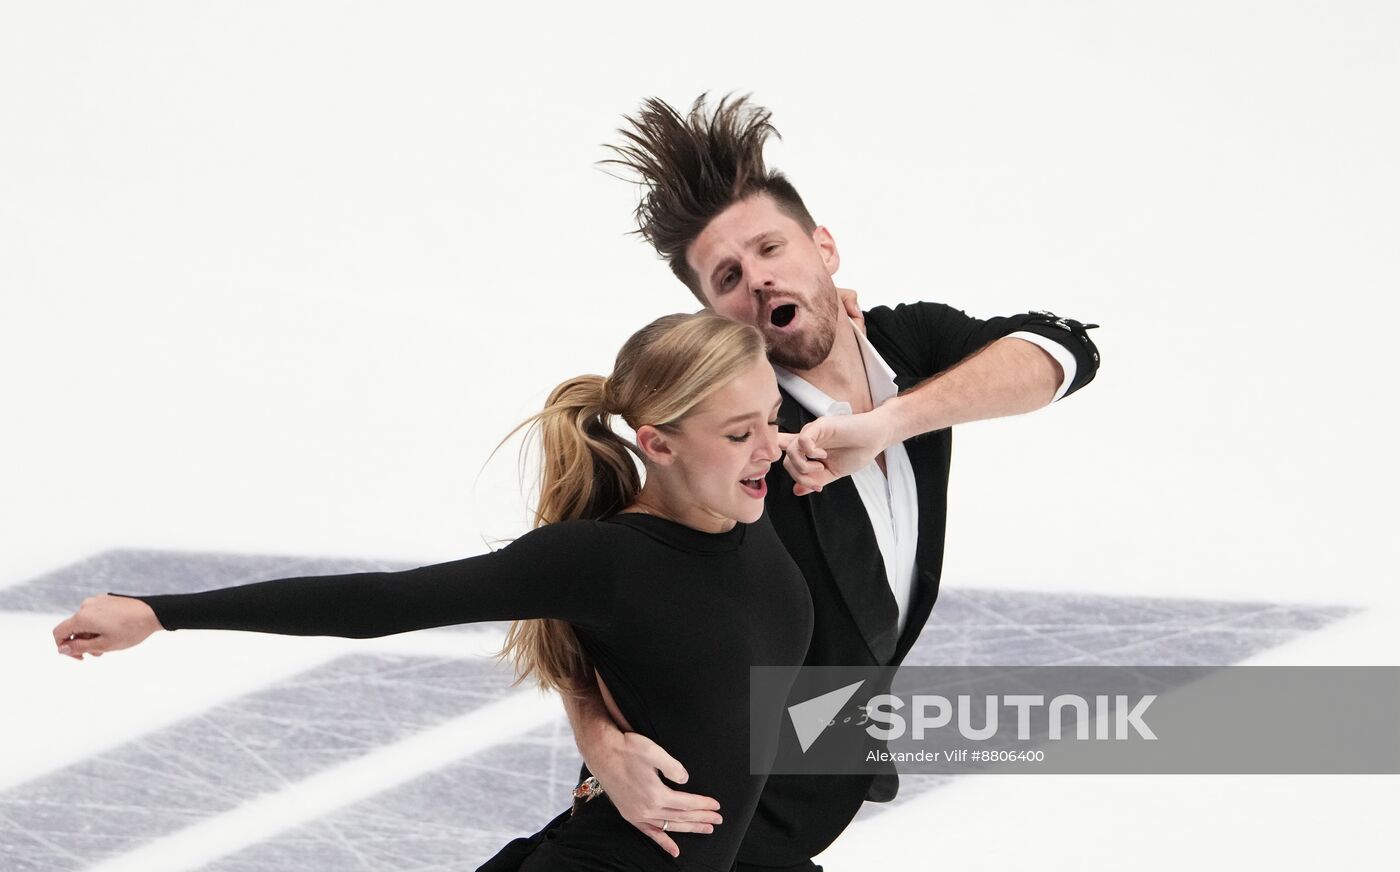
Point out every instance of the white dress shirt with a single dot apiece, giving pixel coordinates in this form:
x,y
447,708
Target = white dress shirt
x,y
890,497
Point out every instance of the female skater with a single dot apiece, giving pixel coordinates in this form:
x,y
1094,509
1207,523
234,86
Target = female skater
x,y
670,589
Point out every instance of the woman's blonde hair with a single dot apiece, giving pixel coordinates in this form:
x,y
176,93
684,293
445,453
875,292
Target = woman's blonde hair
x,y
587,470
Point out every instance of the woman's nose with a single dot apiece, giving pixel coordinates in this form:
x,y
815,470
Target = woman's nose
x,y
768,448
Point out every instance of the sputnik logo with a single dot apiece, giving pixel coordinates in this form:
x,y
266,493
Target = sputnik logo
x,y
811,718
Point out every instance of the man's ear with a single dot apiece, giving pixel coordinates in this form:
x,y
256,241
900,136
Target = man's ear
x,y
655,446
826,245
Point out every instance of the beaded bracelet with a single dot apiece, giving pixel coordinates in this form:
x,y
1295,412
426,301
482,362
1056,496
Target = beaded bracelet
x,y
586,791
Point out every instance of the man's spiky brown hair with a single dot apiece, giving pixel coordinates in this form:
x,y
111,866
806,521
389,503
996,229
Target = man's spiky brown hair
x,y
695,166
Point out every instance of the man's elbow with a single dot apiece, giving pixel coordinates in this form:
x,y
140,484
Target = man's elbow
x,y
1040,374
1077,354
1050,375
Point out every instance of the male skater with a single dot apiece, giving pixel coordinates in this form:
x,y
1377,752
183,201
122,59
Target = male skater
x,y
860,500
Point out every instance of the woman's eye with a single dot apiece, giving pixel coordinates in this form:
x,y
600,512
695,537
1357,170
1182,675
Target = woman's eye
x,y
743,438
729,279
769,249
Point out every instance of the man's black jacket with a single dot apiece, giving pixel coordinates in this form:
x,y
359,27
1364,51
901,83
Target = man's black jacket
x,y
829,535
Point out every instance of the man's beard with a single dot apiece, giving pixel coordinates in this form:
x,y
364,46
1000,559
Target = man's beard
x,y
808,348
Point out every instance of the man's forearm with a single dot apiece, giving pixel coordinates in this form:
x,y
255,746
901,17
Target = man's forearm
x,y
591,723
1008,377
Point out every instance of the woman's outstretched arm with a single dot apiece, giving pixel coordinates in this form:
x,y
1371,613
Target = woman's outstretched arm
x,y
557,571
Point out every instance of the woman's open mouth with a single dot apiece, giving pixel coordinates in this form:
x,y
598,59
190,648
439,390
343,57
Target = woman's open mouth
x,y
782,315
756,487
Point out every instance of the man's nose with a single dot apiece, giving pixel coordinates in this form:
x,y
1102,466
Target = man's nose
x,y
760,276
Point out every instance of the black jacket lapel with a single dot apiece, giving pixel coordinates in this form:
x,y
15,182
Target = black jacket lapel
x,y
847,544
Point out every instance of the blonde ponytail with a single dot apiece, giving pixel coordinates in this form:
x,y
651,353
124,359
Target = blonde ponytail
x,y
586,469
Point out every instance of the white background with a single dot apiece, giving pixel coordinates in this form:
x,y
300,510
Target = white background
x,y
277,277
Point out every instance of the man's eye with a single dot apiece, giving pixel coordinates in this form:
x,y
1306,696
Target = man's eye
x,y
729,279
770,248
773,423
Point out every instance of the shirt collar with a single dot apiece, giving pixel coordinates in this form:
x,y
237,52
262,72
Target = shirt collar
x,y
878,374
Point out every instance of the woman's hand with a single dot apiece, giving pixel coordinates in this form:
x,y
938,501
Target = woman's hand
x,y
105,623
852,307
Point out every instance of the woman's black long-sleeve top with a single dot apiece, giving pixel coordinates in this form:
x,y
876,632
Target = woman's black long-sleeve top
x,y
671,617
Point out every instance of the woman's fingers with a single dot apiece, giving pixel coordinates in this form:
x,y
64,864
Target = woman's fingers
x,y
852,306
802,458
807,444
66,629
83,643
77,634
73,636
807,476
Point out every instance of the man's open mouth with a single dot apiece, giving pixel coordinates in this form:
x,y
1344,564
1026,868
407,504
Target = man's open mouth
x,y
783,315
